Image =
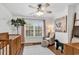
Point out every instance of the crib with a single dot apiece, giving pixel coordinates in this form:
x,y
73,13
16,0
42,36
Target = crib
x,y
10,44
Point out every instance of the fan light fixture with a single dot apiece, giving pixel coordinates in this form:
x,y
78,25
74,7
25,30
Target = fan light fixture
x,y
39,13
41,9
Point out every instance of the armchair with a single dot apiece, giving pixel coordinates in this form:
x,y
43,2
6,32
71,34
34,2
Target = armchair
x,y
49,40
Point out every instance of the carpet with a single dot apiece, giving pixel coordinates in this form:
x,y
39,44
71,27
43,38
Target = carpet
x,y
37,50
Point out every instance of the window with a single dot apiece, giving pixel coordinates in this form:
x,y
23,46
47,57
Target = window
x,y
29,30
34,29
38,31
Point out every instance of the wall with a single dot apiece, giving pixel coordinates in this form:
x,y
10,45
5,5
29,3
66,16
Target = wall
x,y
77,11
5,16
61,36
50,26
66,37
70,18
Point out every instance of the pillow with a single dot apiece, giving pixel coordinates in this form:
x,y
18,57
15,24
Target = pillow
x,y
75,40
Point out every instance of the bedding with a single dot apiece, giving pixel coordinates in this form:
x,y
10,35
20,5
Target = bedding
x,y
75,40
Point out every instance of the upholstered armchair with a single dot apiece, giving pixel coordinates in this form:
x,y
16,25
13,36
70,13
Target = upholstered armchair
x,y
48,40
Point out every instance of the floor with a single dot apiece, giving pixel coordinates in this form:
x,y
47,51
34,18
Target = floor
x,y
37,50
53,49
33,39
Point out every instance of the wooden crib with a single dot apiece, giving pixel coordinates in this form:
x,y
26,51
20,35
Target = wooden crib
x,y
10,44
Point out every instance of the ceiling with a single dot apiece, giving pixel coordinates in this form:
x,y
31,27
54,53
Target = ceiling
x,y
22,9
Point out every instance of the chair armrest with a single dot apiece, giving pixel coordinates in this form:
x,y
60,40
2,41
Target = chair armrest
x,y
47,38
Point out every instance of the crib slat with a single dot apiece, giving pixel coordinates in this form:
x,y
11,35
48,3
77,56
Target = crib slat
x,y
3,48
10,47
0,48
6,50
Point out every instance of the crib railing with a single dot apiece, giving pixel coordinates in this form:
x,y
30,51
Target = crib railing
x,y
15,45
4,47
11,46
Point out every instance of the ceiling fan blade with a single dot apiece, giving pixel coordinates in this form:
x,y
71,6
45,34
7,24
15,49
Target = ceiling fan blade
x,y
32,6
49,11
46,4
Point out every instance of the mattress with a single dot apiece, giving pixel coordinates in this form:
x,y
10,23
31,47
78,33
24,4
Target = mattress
x,y
75,40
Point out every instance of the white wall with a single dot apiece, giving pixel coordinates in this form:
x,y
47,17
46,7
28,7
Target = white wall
x,y
5,16
61,36
70,18
77,11
50,26
65,37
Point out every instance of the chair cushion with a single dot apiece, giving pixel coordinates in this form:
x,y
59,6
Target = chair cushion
x,y
44,43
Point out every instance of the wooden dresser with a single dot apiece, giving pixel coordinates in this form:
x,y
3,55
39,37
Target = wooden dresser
x,y
71,49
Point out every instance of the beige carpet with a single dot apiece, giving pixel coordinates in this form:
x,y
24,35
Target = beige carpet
x,y
37,50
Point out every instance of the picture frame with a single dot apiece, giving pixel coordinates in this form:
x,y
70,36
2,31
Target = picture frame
x,y
61,24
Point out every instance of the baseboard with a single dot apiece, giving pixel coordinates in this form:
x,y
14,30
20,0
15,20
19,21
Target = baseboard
x,y
34,43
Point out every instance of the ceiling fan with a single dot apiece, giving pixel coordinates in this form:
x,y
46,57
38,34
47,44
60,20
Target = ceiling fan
x,y
41,8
